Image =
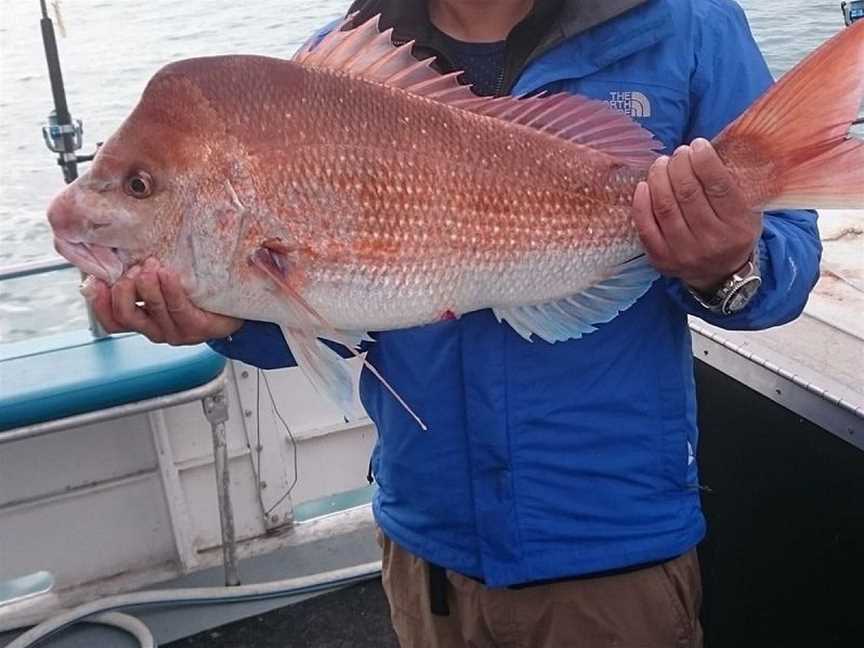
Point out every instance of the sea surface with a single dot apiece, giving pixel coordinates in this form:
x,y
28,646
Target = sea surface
x,y
110,50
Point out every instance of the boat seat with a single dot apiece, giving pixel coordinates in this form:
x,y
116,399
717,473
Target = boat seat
x,y
62,382
54,377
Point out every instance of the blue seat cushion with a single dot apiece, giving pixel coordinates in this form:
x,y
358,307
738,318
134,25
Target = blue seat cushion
x,y
53,377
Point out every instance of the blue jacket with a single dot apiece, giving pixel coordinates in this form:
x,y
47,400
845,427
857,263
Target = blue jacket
x,y
550,460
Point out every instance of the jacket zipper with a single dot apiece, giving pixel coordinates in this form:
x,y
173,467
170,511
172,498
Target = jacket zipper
x,y
499,84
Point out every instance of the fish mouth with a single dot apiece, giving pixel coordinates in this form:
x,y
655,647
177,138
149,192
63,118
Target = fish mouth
x,y
100,261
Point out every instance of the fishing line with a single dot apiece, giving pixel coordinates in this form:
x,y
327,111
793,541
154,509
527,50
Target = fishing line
x,y
293,445
257,468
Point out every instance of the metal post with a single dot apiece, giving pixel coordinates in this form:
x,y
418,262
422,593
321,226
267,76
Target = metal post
x,y
216,411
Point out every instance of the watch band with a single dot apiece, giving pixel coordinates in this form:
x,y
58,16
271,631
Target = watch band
x,y
736,292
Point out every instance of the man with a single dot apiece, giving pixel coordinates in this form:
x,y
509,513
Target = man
x,y
555,499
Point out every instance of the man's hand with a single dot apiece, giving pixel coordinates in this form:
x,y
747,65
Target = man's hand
x,y
693,219
167,314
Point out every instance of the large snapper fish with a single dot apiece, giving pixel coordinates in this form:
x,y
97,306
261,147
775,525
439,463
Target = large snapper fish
x,y
355,189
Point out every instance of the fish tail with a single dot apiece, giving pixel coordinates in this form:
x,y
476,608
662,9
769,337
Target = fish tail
x,y
792,148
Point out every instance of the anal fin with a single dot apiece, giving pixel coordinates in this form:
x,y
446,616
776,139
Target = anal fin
x,y
575,316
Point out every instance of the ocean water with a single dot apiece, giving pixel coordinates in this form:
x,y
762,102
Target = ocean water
x,y
110,50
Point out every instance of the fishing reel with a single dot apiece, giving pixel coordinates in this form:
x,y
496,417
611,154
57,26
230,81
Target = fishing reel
x,y
852,11
64,139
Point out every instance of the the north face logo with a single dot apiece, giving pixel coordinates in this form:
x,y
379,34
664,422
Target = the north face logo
x,y
632,103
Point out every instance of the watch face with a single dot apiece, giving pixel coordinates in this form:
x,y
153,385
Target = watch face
x,y
741,295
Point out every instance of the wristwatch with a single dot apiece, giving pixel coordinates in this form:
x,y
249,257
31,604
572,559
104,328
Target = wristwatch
x,y
736,292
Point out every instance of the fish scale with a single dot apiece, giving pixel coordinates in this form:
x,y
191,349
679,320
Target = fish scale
x,y
481,231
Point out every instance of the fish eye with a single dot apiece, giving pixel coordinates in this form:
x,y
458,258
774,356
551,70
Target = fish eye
x,y
139,184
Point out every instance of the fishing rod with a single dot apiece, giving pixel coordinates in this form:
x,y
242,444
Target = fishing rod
x,y
62,134
852,12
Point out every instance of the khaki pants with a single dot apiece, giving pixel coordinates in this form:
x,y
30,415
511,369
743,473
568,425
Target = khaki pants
x,y
655,607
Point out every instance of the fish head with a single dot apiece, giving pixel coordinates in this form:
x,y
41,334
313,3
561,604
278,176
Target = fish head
x,y
155,184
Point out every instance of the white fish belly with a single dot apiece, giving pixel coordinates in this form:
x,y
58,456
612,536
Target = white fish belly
x,y
415,294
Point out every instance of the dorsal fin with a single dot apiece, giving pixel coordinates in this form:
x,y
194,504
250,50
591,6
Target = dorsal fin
x,y
369,53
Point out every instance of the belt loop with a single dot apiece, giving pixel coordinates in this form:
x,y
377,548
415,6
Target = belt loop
x,y
438,590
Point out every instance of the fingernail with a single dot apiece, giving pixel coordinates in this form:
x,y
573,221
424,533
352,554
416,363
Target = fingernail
x,y
663,160
699,144
681,149
151,264
133,272
88,288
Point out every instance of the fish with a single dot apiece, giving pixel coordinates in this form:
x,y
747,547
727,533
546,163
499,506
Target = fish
x,y
355,189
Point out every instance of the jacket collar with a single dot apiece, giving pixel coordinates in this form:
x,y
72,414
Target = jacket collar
x,y
600,45
584,37
578,16
410,18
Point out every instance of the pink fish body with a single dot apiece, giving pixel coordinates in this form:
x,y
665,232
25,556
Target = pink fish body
x,y
354,189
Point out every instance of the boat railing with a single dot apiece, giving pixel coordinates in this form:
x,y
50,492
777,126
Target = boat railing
x,y
33,268
44,266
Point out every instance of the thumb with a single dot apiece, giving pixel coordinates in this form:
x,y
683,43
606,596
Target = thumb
x,y
91,288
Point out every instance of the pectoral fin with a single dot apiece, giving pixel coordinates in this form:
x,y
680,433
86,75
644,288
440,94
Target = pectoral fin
x,y
324,367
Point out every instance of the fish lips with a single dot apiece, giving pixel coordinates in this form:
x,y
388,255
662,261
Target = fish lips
x,y
100,261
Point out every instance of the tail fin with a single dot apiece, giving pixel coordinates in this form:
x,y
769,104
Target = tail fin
x,y
794,144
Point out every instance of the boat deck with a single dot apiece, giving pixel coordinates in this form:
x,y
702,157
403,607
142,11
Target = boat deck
x,y
355,617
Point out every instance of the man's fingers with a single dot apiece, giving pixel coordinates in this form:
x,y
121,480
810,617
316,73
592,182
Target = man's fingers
x,y
177,301
697,211
665,205
98,295
167,314
195,325
129,314
720,187
148,288
649,231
